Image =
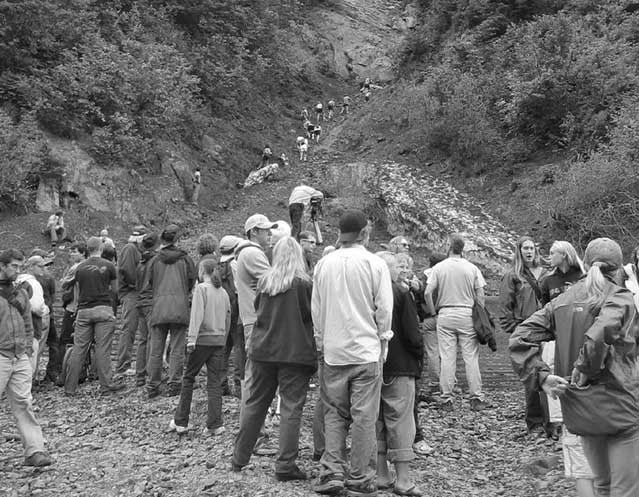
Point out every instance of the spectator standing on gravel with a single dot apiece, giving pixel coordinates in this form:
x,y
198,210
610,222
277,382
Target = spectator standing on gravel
x,y
55,228
396,427
207,246
128,296
235,340
95,320
16,347
197,185
519,297
299,203
171,277
283,354
458,284
302,146
309,244
209,325
77,254
144,305
108,243
41,303
595,326
352,309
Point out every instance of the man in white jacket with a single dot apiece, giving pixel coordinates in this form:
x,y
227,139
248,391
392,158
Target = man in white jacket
x,y
298,204
39,310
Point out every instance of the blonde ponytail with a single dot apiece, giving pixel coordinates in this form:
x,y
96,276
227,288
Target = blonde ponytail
x,y
595,282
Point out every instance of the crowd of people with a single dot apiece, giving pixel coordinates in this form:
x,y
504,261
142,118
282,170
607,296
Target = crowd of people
x,y
366,323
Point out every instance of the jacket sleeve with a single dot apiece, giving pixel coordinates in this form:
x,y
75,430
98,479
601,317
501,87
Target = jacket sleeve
x,y
316,306
227,306
197,314
545,291
525,347
383,300
191,273
608,328
258,264
507,302
28,325
411,337
127,265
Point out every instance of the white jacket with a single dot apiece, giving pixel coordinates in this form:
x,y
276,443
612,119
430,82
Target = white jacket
x,y
38,307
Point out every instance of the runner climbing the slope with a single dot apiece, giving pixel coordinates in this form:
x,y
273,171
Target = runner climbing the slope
x,y
345,104
330,107
302,147
319,111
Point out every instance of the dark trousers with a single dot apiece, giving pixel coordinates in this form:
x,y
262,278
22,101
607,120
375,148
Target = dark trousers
x,y
263,381
535,412
235,346
296,211
66,333
213,358
56,354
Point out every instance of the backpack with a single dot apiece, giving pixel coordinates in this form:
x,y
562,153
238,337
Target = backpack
x,y
228,283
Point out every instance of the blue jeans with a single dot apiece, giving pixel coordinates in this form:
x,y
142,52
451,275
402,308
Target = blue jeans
x,y
396,425
260,390
213,357
130,318
614,461
93,324
15,379
159,334
350,395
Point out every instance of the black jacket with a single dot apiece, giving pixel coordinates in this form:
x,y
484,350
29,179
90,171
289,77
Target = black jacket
x,y
406,348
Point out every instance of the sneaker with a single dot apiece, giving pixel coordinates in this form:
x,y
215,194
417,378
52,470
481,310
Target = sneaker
x,y
173,390
236,468
422,448
152,394
38,460
180,430
214,432
140,381
478,405
317,456
130,372
295,474
329,484
112,388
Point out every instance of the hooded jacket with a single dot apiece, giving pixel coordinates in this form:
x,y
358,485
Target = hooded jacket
x,y
145,291
171,279
252,263
584,332
517,299
16,328
127,265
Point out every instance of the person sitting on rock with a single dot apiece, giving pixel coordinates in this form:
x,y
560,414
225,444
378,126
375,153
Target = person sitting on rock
x,y
302,146
319,111
331,108
55,228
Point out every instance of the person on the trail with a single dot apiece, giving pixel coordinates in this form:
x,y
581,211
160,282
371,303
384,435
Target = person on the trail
x,y
317,131
345,105
55,228
267,155
209,325
331,108
33,269
77,254
304,114
519,297
144,305
16,347
319,111
235,340
171,276
283,354
302,146
595,325
367,84
128,296
95,321
367,95
396,424
299,203
352,308
197,184
459,284
310,128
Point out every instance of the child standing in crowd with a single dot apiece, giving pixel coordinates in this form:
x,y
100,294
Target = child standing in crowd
x,y
208,328
396,424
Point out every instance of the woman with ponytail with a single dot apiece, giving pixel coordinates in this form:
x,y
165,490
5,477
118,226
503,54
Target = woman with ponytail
x,y
283,354
595,325
631,280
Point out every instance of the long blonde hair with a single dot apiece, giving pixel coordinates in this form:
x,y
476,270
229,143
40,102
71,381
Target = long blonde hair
x,y
572,259
603,260
288,265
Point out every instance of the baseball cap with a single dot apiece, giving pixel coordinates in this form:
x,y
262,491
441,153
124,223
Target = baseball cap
x,y
604,250
227,246
38,260
258,221
149,241
138,230
351,222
